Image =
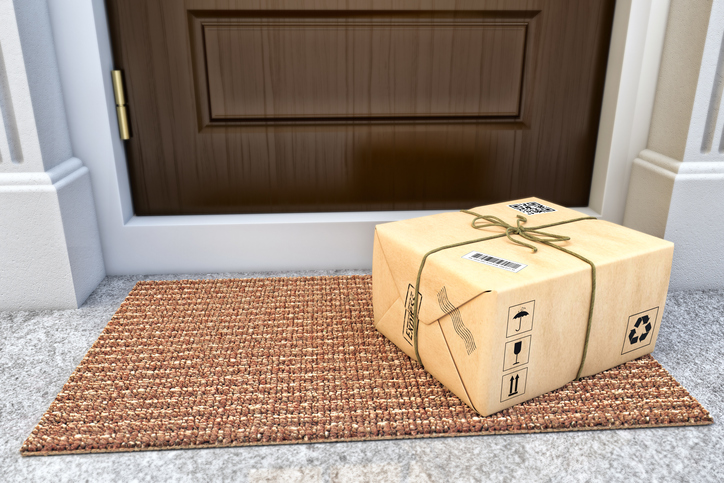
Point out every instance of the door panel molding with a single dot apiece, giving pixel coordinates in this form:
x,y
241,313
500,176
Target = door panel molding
x,y
237,81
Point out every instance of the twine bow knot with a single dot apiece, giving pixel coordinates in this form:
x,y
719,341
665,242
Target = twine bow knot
x,y
531,233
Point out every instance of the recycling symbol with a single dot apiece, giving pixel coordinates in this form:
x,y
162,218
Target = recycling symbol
x,y
645,325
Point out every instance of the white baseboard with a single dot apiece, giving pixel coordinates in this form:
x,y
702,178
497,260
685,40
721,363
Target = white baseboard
x,y
680,201
51,256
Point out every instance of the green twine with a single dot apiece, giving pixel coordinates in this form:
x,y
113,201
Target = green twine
x,y
532,234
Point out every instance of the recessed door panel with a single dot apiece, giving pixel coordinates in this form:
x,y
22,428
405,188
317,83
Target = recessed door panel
x,y
351,68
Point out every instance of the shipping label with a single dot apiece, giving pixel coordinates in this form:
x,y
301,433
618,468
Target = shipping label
x,y
495,261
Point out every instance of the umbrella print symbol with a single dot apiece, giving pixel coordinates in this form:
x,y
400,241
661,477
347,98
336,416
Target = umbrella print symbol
x,y
520,316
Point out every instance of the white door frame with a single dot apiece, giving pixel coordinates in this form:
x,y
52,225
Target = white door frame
x,y
303,241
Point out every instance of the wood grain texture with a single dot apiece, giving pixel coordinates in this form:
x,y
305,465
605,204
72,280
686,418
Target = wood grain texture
x,y
241,107
297,68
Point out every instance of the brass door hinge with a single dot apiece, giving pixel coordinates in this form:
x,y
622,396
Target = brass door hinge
x,y
120,104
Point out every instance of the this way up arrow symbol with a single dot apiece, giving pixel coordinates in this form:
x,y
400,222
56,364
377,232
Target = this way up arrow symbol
x,y
512,381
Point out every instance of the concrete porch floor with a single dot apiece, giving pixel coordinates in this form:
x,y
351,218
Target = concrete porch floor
x,y
39,350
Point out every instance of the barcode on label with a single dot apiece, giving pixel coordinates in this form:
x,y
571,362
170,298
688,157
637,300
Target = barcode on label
x,y
495,261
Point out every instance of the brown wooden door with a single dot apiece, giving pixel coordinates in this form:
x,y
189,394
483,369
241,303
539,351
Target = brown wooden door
x,y
241,106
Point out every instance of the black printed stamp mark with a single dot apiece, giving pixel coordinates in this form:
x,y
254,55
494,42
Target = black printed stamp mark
x,y
460,329
532,208
640,330
517,353
513,384
520,318
408,326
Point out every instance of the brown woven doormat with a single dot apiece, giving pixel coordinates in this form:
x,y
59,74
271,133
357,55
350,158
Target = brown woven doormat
x,y
211,363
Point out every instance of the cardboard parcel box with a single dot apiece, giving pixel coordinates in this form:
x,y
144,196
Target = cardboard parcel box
x,y
500,324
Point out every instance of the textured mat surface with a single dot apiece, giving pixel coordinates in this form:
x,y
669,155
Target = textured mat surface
x,y
211,363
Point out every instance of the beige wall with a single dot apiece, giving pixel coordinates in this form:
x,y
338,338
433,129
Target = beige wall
x,y
681,58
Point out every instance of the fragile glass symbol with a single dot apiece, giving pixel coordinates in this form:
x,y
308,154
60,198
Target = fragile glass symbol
x,y
520,316
516,350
